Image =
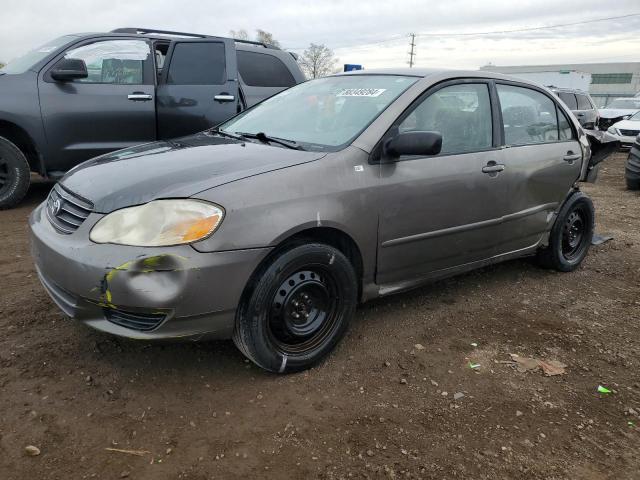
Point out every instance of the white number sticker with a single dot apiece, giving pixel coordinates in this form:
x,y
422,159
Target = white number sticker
x,y
361,92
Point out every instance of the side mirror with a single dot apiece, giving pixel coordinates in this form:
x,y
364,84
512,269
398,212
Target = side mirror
x,y
413,143
69,69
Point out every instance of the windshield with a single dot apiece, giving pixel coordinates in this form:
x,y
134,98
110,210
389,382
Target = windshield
x,y
28,60
324,114
635,117
625,103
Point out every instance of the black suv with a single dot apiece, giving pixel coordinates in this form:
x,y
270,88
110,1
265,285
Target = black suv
x,y
84,95
581,105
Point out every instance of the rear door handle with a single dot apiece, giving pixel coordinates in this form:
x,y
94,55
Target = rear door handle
x,y
571,157
580,114
224,98
139,97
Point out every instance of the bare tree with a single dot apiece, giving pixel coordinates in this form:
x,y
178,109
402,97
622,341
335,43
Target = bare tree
x,y
266,38
318,61
239,34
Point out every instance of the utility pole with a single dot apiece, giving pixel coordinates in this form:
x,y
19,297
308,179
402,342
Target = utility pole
x,y
412,44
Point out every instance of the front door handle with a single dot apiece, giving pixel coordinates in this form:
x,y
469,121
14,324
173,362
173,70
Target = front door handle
x,y
223,97
139,97
493,168
571,157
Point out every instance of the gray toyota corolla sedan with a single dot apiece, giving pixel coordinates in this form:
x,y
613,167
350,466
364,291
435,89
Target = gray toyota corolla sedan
x,y
271,227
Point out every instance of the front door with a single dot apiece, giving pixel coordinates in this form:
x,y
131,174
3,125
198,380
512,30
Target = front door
x,y
198,86
443,211
112,108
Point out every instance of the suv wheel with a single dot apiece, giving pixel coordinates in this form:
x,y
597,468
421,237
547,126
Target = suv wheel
x,y
570,236
297,309
633,184
15,174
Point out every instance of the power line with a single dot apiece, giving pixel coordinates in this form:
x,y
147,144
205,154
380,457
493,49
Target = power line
x,y
529,29
412,43
396,37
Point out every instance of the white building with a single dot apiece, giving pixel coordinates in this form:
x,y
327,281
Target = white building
x,y
607,80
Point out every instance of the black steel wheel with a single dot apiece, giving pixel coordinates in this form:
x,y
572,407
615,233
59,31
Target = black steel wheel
x,y
297,308
571,235
15,175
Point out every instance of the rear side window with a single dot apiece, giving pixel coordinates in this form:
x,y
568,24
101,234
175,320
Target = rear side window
x,y
461,113
197,63
259,70
569,99
583,102
565,131
529,116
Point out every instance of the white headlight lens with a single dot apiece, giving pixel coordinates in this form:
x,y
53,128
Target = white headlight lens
x,y
159,223
613,131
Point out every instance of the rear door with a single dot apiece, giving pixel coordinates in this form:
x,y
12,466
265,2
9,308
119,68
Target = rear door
x,y
586,112
112,108
542,159
198,86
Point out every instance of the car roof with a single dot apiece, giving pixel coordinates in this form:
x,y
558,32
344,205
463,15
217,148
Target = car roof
x,y
442,72
568,90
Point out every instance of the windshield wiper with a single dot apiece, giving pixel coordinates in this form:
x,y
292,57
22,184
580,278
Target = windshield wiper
x,y
225,134
264,138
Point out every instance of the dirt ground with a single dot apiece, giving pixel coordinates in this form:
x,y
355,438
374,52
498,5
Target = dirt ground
x,y
380,407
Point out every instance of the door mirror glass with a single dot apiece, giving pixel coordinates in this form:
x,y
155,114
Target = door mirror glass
x,y
69,69
413,143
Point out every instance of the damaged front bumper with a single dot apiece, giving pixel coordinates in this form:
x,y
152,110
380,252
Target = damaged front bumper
x,y
141,292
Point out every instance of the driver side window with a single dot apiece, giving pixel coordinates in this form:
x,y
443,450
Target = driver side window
x,y
119,62
460,113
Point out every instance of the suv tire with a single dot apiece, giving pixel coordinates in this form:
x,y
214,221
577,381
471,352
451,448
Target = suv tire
x,y
633,184
570,236
297,308
15,174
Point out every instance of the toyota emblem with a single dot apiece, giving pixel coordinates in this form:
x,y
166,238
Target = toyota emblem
x,y
56,206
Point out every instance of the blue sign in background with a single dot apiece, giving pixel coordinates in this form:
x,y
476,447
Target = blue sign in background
x,y
348,67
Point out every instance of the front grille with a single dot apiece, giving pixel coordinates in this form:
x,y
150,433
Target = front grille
x,y
66,211
629,133
135,321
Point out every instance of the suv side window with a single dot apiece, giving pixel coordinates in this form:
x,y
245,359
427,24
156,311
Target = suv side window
x,y
260,70
565,131
583,102
120,62
529,116
569,99
198,63
461,113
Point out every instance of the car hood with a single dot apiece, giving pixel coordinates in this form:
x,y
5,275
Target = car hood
x,y
174,169
627,125
615,112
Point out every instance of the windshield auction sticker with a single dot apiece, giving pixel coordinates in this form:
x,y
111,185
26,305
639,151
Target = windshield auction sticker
x,y
361,92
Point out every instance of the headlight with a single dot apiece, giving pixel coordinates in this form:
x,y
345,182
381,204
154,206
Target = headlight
x,y
159,223
613,131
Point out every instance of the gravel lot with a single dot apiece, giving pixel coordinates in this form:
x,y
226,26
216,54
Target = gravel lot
x,y
398,398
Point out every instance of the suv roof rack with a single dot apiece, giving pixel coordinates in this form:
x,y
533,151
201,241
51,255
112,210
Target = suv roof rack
x,y
137,30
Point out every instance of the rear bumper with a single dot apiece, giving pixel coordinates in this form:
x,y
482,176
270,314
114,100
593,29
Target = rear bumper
x,y
141,293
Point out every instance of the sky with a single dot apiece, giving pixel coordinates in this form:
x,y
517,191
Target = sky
x,y
373,33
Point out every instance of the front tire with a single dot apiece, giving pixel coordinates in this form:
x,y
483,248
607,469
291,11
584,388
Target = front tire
x,y
15,174
570,236
297,308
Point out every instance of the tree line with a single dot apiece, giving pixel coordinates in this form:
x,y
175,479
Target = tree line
x,y
316,61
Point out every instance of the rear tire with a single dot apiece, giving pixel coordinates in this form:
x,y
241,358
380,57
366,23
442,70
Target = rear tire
x,y
15,174
297,308
570,236
633,184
